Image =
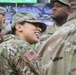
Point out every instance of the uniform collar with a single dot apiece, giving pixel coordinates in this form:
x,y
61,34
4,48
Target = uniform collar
x,y
9,36
71,16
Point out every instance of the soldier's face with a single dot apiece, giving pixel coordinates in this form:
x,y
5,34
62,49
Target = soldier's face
x,y
59,11
31,33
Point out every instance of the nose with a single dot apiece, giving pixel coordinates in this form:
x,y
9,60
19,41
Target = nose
x,y
54,8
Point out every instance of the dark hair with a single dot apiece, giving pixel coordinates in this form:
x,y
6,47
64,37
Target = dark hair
x,y
14,29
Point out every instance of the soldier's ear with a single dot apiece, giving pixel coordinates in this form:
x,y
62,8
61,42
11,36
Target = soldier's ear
x,y
69,11
18,27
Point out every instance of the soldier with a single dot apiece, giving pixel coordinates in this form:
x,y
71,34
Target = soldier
x,y
16,54
59,51
3,29
60,11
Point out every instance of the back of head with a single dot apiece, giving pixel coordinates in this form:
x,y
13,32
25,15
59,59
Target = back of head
x,y
2,10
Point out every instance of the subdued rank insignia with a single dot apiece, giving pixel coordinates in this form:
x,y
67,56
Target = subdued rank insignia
x,y
31,55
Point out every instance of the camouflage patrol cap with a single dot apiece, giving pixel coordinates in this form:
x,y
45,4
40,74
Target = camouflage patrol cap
x,y
65,2
2,10
27,17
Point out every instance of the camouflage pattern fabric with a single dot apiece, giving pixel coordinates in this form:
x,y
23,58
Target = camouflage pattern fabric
x,y
4,30
15,58
2,10
58,54
28,17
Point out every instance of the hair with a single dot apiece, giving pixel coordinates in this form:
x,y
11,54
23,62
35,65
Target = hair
x,y
13,30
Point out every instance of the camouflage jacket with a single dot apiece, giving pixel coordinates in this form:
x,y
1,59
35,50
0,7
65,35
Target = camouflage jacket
x,y
3,31
59,51
17,57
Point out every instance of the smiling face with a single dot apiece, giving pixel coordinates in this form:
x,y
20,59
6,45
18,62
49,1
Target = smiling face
x,y
29,32
59,11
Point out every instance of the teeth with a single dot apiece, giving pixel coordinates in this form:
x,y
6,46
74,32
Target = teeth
x,y
37,34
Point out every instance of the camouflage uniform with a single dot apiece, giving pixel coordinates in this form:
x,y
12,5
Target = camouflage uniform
x,y
59,51
13,59
16,56
5,30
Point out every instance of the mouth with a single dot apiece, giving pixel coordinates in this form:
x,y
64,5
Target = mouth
x,y
37,34
53,13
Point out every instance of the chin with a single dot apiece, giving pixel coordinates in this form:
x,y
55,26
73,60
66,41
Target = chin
x,y
53,17
36,41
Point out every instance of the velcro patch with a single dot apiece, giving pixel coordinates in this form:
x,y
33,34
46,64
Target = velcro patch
x,y
31,55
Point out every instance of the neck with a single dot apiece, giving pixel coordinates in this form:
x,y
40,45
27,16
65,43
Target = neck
x,y
60,22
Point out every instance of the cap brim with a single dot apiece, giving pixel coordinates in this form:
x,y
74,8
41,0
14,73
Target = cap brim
x,y
52,1
42,25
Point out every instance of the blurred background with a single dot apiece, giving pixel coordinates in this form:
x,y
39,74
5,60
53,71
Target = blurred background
x,y
42,8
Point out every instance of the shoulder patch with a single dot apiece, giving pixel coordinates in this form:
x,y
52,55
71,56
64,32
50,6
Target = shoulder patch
x,y
31,55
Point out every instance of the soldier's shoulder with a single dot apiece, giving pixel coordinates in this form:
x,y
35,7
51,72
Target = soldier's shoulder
x,y
5,30
14,43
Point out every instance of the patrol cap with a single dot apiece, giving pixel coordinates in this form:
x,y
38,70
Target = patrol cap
x,y
2,10
65,2
27,17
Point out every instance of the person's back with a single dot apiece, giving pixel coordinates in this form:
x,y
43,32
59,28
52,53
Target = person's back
x,y
59,52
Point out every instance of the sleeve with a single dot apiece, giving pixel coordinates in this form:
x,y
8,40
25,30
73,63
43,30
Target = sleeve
x,y
20,61
72,62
